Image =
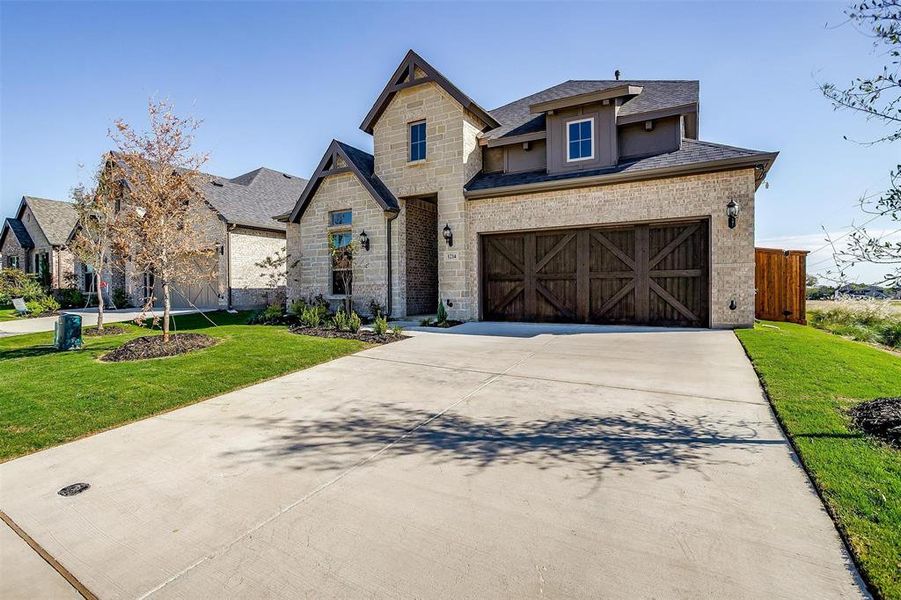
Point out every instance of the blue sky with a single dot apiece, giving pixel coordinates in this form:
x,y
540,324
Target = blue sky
x,y
275,82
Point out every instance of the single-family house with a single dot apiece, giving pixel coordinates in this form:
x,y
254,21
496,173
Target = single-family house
x,y
590,201
35,240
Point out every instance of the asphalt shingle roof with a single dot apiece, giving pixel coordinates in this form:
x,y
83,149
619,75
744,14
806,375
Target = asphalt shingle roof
x,y
365,162
516,119
692,152
255,198
55,218
18,229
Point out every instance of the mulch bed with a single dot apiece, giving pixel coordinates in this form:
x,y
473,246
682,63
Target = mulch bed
x,y
880,418
152,346
107,330
362,335
444,324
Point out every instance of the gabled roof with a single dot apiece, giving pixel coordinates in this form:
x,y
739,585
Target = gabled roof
x,y
358,162
406,76
516,118
18,229
55,218
253,199
693,157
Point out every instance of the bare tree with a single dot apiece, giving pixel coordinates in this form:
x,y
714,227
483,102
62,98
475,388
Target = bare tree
x,y
878,98
96,229
273,270
342,266
159,229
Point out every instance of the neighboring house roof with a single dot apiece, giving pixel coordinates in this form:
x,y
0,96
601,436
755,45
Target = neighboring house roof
x,y
55,218
516,117
358,162
254,199
404,77
18,229
693,157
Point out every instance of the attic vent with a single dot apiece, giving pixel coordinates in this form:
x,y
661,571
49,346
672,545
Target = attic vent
x,y
217,183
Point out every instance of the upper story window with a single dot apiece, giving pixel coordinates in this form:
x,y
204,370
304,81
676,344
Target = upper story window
x,y
417,141
580,140
340,218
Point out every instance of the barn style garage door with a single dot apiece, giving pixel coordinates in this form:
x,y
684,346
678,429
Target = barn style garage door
x,y
653,274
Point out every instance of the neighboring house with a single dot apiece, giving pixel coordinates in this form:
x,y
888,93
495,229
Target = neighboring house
x,y
590,201
35,240
237,218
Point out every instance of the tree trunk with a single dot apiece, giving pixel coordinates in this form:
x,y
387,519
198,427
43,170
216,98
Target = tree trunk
x,y
166,310
99,279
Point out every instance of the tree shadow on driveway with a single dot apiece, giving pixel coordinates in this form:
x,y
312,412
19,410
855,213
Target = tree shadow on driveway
x,y
662,441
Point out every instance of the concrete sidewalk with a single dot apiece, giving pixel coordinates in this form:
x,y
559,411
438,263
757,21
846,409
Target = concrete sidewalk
x,y
88,318
488,461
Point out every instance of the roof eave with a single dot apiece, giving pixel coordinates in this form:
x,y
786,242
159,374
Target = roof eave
x,y
763,159
586,98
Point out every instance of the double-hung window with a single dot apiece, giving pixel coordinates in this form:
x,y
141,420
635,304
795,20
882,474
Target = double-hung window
x,y
417,141
580,140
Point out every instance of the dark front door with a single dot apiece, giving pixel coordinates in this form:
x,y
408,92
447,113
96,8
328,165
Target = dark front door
x,y
653,274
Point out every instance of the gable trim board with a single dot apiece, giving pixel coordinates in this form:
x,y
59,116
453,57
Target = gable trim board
x,y
360,164
405,76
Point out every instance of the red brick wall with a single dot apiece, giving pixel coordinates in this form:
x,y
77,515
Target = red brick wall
x,y
422,257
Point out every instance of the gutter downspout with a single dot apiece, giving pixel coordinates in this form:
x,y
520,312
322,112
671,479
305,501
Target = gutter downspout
x,y
228,263
389,217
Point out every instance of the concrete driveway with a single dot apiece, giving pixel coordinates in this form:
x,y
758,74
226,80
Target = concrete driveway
x,y
491,461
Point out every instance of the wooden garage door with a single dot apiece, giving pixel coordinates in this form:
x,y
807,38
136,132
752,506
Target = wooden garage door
x,y
647,274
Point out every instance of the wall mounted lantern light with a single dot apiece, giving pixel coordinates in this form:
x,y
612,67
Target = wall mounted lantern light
x,y
732,210
448,235
364,240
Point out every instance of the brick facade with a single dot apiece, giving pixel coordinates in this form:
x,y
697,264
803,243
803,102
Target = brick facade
x,y
421,267
252,286
731,250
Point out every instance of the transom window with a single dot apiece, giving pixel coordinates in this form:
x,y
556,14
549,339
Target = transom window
x,y
580,140
340,218
417,141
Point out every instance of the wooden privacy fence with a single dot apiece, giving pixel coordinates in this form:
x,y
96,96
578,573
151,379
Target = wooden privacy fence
x,y
781,282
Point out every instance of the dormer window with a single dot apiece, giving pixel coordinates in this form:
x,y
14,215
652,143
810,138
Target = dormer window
x,y
417,141
580,140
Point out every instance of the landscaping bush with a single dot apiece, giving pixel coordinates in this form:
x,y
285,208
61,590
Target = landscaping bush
x,y
310,316
867,320
442,313
341,320
317,302
16,283
375,308
274,314
70,298
120,298
354,322
380,325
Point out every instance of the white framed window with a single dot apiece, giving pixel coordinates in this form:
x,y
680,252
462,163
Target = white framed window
x,y
580,140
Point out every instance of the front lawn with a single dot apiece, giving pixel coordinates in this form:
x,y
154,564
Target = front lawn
x,y
49,397
812,378
8,313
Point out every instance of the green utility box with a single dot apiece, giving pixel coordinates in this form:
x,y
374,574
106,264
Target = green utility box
x,y
67,332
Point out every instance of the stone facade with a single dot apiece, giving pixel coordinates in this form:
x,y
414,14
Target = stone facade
x,y
252,286
308,244
453,156
60,260
11,248
696,196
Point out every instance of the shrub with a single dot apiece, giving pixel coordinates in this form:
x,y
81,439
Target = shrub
x,y
341,320
70,298
354,322
380,325
271,315
317,302
375,308
425,322
120,298
442,312
890,333
310,316
397,330
16,283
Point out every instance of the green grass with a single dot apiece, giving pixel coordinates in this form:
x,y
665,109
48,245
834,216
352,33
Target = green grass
x,y
8,313
49,397
812,378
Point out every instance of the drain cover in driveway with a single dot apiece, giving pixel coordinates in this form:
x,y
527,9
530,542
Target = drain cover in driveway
x,y
75,488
